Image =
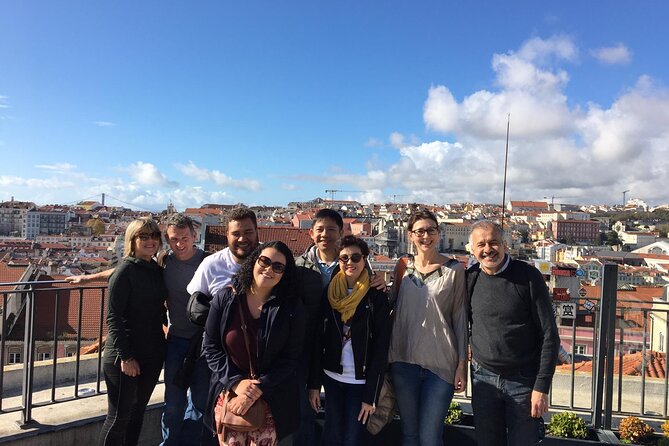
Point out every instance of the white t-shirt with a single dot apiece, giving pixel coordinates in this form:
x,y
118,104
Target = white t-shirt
x,y
214,273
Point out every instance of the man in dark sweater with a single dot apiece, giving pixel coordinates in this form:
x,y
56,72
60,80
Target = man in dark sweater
x,y
514,343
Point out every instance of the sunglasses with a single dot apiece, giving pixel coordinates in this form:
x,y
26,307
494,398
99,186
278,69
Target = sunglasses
x,y
266,262
145,237
421,232
355,258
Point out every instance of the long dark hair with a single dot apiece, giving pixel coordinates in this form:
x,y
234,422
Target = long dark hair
x,y
285,288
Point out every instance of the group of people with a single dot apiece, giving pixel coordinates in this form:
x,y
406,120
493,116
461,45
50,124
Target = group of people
x,y
324,320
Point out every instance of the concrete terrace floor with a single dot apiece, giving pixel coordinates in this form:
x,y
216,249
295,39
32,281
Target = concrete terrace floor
x,y
87,414
59,417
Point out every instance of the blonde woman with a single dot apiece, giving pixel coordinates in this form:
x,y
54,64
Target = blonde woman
x,y
429,335
135,346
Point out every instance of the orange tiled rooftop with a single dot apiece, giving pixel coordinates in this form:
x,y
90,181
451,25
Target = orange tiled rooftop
x,y
656,365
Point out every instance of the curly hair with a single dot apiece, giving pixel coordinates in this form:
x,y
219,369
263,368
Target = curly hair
x,y
285,288
351,240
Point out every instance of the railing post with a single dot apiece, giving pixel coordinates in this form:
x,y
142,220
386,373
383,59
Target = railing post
x,y
29,362
603,404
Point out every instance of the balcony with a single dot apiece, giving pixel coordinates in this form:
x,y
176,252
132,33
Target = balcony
x,y
61,400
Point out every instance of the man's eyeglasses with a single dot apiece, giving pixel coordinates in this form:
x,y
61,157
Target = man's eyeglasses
x,y
355,258
146,237
266,262
421,232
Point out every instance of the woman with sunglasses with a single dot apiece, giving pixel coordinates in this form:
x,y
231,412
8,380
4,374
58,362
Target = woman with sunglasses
x,y
135,345
429,334
262,295
352,342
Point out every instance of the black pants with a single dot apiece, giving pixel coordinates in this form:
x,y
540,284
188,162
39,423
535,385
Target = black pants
x,y
127,398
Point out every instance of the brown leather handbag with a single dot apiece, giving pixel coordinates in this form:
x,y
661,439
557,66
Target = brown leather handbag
x,y
254,418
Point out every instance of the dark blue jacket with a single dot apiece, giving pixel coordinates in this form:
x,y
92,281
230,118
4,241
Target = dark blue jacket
x,y
280,343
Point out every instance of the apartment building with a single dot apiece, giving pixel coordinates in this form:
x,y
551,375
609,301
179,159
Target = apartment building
x,y
576,231
12,216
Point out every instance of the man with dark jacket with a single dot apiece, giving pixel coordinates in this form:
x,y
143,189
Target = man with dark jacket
x,y
514,342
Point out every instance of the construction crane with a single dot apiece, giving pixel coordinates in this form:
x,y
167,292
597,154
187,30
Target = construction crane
x,y
332,192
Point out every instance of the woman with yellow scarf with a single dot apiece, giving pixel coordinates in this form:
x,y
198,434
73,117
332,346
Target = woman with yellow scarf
x,y
353,347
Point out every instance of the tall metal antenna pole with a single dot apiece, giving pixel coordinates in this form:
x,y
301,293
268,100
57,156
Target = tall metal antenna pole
x,y
506,159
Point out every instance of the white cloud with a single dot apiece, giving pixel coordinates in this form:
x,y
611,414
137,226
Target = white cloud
x,y
285,186
3,102
181,197
584,151
217,177
58,167
396,140
531,91
38,183
440,111
613,55
148,174
104,123
374,143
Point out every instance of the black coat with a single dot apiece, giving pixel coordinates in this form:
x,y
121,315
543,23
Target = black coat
x,y
136,311
280,340
369,340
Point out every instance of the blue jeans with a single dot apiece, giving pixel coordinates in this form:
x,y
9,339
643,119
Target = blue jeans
x,y
423,400
501,405
342,407
182,422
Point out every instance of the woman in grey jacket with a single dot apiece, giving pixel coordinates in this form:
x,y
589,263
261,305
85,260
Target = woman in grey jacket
x,y
429,336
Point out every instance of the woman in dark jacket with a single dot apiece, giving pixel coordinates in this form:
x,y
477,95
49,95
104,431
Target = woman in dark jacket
x,y
263,290
354,346
135,346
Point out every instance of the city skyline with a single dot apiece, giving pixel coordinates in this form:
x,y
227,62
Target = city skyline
x,y
154,103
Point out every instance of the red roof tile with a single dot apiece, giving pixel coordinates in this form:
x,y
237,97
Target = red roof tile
x,y
656,365
298,240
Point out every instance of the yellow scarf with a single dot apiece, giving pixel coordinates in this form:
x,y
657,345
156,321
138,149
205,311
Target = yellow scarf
x,y
338,295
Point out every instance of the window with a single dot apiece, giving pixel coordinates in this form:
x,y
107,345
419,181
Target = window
x,y
579,349
43,356
660,347
14,358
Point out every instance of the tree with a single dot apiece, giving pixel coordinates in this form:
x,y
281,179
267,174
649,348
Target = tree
x,y
612,239
663,229
96,225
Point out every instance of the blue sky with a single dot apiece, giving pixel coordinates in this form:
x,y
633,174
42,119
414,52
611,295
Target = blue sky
x,y
272,102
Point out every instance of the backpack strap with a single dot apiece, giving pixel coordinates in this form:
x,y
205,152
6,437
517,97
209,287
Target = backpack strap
x,y
400,269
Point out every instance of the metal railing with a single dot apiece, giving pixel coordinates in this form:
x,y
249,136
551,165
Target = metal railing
x,y
20,304
609,389
595,391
